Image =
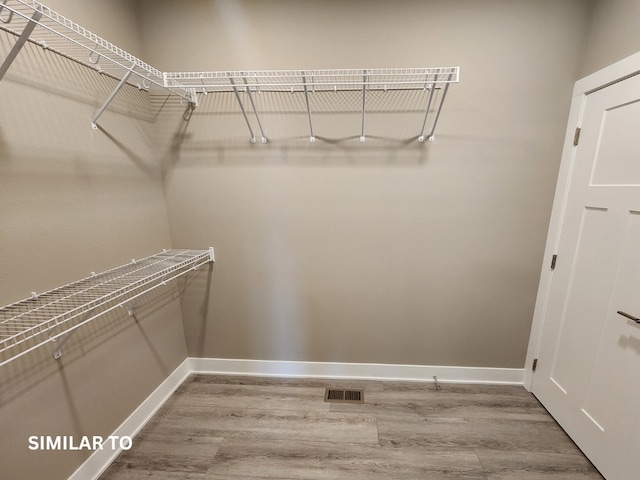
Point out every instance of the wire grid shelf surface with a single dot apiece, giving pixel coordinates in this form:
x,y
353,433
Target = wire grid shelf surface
x,y
56,312
315,80
61,35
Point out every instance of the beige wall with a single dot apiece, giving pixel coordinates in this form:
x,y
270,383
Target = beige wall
x,y
613,33
389,251
72,201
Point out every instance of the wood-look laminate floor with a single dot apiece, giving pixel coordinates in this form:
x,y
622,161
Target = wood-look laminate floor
x,y
231,428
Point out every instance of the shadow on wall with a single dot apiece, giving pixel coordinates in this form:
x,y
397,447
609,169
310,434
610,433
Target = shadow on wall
x,y
219,134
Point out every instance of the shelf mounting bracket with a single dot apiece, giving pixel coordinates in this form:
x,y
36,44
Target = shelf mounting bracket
x,y
22,39
312,137
244,113
435,122
364,89
104,106
255,111
432,89
60,340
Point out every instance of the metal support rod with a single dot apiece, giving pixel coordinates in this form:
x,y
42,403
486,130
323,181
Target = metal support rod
x,y
312,138
255,111
104,106
64,338
435,122
426,113
24,36
246,119
364,89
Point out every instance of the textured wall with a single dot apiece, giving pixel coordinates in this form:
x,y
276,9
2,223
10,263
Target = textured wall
x,y
72,201
387,251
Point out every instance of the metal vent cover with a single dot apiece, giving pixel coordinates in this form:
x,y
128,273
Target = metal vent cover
x,y
340,395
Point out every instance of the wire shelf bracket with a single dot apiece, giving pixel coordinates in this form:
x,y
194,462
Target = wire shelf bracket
x,y
55,315
364,109
110,98
255,111
252,138
312,137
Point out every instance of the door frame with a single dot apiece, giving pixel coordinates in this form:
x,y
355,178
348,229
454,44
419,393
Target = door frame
x,y
614,73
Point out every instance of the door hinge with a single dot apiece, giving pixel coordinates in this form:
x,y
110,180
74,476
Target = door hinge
x,y
554,259
576,136
535,364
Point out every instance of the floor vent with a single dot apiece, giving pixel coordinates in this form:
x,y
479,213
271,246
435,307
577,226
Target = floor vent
x,y
343,396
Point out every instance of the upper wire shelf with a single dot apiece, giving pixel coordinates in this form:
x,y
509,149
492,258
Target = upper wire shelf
x,y
315,80
55,32
43,318
309,82
31,21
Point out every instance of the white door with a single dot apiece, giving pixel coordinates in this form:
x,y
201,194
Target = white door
x,y
588,372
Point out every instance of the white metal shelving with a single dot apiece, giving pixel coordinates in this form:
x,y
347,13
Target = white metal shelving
x,y
315,80
50,316
308,82
32,21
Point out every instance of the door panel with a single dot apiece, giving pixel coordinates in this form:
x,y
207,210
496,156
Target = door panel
x,y
616,160
589,356
586,293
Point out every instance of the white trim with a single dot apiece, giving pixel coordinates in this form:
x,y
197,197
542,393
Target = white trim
x,y
620,70
361,371
99,460
553,237
625,68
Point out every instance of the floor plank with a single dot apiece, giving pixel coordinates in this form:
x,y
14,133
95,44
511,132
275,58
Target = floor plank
x,y
237,427
526,465
330,460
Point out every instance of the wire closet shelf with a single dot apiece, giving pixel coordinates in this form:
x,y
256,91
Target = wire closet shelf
x,y
315,80
35,22
31,21
309,82
42,318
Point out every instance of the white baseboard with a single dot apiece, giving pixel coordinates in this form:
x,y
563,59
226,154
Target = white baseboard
x,y
99,460
362,371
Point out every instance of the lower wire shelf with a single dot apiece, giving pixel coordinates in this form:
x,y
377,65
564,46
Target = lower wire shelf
x,y
46,317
